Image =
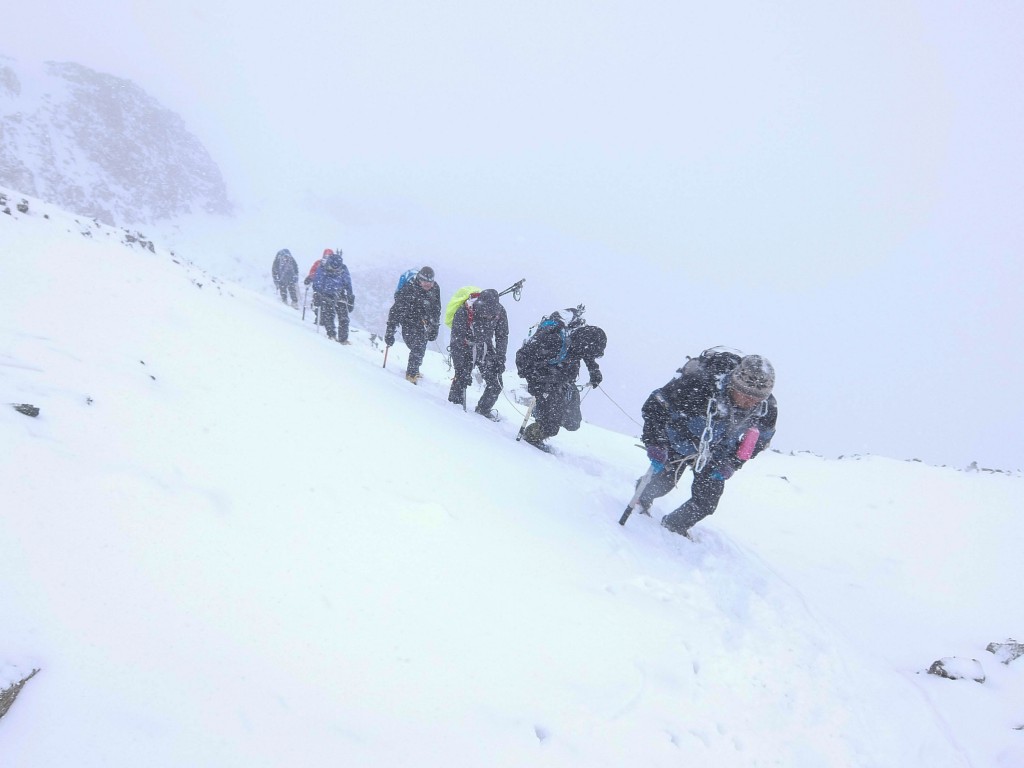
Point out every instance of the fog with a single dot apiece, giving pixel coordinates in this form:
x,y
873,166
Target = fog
x,y
836,188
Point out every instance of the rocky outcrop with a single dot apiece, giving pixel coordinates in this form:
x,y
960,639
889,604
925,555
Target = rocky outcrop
x,y
10,691
100,146
1006,651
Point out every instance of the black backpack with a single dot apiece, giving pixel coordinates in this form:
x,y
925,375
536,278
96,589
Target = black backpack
x,y
713,363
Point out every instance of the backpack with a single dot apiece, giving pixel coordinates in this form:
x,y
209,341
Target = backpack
x,y
714,363
408,275
461,296
533,357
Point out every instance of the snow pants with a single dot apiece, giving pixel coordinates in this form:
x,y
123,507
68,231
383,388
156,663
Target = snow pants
x,y
329,308
558,405
287,289
705,493
490,367
417,344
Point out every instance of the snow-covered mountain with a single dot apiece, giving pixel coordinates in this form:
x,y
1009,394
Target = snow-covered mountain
x,y
100,146
226,541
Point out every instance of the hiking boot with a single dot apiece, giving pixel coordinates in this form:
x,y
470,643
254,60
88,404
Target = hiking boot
x,y
489,414
533,436
457,395
346,342
413,378
676,522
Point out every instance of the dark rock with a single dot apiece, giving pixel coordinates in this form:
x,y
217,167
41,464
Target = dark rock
x,y
9,694
1006,651
955,668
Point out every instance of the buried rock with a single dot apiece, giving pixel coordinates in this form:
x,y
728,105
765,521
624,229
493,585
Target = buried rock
x,y
955,668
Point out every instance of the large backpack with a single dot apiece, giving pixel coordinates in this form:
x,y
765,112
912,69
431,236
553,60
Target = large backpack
x,y
408,275
461,296
546,345
714,363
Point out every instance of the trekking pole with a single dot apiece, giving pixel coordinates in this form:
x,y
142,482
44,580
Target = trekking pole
x,y
529,412
305,301
640,488
386,348
516,289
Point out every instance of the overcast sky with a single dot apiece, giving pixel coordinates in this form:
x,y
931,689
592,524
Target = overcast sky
x,y
837,186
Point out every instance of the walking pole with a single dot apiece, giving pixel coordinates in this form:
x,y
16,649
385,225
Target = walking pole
x,y
640,488
305,300
529,412
516,289
386,348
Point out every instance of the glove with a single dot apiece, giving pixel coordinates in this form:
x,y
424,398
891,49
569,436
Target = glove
x,y
307,281
389,339
726,469
658,454
596,378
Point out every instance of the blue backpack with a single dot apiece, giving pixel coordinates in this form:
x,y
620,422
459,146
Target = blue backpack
x,y
408,275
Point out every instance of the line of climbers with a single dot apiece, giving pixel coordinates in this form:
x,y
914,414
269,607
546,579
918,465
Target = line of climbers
x,y
716,413
333,297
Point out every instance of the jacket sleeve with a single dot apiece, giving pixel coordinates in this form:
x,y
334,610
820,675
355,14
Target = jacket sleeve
x,y
460,327
501,335
432,321
766,425
394,318
656,412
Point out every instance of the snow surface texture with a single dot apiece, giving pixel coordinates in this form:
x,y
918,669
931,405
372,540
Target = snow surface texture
x,y
226,541
100,146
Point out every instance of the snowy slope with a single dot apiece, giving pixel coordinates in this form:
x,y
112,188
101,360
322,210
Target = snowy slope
x,y
228,541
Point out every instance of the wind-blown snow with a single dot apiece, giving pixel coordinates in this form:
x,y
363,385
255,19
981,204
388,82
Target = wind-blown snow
x,y
227,541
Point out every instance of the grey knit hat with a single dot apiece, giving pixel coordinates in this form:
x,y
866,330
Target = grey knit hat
x,y
754,377
425,274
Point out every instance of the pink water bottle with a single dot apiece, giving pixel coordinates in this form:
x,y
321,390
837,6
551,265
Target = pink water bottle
x,y
746,449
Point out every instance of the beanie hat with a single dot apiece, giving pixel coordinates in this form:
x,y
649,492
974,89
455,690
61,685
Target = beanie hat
x,y
327,252
754,377
426,274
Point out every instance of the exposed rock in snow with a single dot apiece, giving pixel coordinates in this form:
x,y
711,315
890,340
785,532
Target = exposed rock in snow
x,y
956,668
1006,651
12,680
